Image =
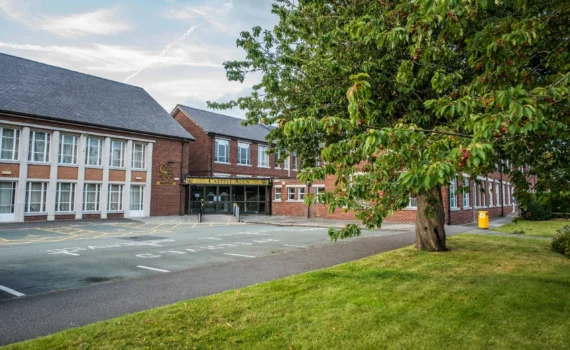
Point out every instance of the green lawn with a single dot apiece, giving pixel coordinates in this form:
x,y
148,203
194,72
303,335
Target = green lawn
x,y
487,292
534,228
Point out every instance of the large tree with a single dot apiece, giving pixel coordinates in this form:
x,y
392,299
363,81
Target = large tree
x,y
398,97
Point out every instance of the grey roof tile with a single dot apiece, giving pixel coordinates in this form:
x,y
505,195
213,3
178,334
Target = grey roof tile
x,y
33,88
220,124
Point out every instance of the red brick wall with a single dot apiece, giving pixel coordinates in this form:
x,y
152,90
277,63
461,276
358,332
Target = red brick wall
x,y
11,167
460,215
168,199
67,173
202,155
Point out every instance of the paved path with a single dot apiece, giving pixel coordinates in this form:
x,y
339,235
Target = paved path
x,y
38,315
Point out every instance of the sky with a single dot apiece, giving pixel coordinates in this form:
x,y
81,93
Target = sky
x,y
174,49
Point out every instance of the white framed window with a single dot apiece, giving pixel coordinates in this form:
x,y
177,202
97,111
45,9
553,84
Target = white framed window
x,y
243,153
301,193
277,165
117,158
504,195
91,194
490,189
318,190
65,197
137,198
497,194
9,143
290,193
115,198
287,163
39,146
294,160
263,157
277,194
483,193
467,185
413,203
475,194
36,197
138,156
94,150
68,149
453,193
222,152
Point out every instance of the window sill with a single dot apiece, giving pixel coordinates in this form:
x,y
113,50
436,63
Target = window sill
x,y
38,163
464,208
455,209
136,169
264,166
277,201
238,164
9,161
93,166
36,214
113,168
91,212
226,163
115,211
411,208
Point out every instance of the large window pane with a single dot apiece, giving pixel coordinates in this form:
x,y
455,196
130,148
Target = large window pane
x,y
65,197
115,201
243,153
93,154
91,195
117,154
68,149
9,143
39,147
36,197
263,157
138,156
222,151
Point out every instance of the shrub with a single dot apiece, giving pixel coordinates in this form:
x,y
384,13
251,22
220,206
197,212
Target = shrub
x,y
561,243
537,212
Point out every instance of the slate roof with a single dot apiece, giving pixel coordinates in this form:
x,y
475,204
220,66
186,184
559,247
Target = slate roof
x,y
214,123
41,90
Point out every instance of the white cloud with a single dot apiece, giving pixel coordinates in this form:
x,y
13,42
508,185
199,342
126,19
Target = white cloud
x,y
116,59
100,22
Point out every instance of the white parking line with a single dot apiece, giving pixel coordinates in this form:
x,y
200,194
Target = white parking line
x,y
152,268
295,246
11,291
191,250
245,256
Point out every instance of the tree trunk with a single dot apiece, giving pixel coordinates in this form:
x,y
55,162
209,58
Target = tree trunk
x,y
430,229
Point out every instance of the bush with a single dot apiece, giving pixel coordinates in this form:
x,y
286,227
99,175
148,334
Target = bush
x,y
537,212
561,243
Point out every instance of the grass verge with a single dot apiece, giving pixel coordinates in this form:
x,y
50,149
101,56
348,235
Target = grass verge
x,y
486,292
534,228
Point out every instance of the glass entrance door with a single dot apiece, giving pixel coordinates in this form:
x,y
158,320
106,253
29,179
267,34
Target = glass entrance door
x,y
211,200
7,196
224,205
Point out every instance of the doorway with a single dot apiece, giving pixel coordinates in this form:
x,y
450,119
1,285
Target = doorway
x,y
7,198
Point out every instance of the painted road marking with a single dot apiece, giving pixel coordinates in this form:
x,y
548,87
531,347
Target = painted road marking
x,y
245,256
295,246
191,250
152,268
11,291
214,238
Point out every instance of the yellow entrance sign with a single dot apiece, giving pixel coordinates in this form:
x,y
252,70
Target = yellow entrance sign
x,y
225,181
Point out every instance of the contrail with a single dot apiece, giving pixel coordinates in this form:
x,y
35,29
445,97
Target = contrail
x,y
164,52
